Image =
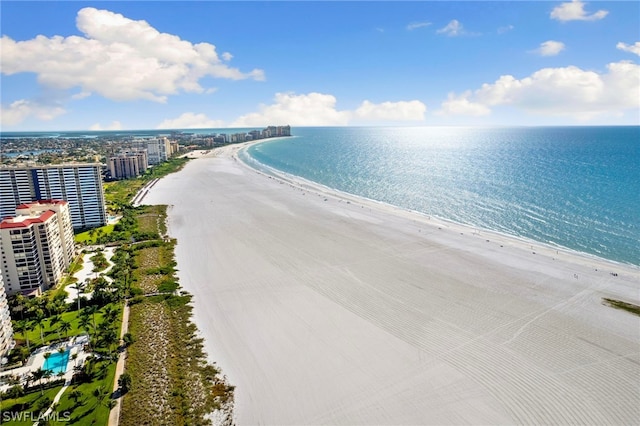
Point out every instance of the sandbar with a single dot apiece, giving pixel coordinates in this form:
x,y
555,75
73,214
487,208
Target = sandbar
x,y
325,308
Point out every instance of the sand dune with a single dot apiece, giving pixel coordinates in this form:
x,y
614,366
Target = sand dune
x,y
326,309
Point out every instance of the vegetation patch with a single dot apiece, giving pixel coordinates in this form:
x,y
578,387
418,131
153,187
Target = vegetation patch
x,y
171,382
91,236
150,283
89,399
619,304
32,401
100,262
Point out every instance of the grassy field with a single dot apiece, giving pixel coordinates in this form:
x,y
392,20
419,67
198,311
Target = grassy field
x,y
90,237
53,333
90,409
23,410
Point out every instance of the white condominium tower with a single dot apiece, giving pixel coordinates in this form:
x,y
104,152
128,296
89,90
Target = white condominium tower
x,y
6,331
158,150
36,247
79,184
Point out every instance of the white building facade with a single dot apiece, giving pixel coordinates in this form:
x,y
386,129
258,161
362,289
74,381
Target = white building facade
x,y
78,184
35,248
6,330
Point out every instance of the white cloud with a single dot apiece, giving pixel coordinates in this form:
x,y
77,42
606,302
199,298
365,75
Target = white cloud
x,y
227,56
115,125
312,109
319,109
118,58
569,91
505,29
461,105
550,48
452,29
80,95
190,120
633,48
574,11
415,25
391,111
22,109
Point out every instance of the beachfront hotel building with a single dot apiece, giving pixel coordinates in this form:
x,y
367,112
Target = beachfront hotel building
x,y
127,165
36,247
6,330
78,184
158,150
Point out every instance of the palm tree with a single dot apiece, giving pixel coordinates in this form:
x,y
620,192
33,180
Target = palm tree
x,y
91,310
124,381
53,321
80,287
23,327
84,322
20,303
65,326
76,395
36,376
100,393
39,317
110,314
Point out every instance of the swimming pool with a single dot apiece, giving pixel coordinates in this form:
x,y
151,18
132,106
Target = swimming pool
x,y
57,362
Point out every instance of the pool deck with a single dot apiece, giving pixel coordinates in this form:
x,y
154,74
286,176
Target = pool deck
x,y
37,359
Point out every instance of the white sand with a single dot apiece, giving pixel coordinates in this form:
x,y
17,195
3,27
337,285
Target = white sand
x,y
349,312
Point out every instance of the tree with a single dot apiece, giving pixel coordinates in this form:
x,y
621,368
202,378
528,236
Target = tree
x,y
23,327
91,311
53,321
84,322
76,395
100,393
39,318
128,339
110,314
20,304
65,326
15,392
80,287
37,376
124,382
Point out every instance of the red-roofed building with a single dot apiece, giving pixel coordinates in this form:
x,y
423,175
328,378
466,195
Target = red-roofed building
x,y
36,246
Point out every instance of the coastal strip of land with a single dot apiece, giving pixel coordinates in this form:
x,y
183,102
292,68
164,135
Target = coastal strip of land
x,y
323,308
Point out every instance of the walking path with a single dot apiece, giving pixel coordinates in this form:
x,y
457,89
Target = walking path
x,y
114,415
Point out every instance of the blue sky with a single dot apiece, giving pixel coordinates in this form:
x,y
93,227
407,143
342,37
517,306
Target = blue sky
x,y
146,65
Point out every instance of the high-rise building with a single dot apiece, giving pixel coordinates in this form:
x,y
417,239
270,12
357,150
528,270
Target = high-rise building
x,y
78,184
128,164
63,217
158,150
6,331
36,247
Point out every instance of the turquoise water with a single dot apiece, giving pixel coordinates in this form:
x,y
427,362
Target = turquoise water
x,y
572,187
57,362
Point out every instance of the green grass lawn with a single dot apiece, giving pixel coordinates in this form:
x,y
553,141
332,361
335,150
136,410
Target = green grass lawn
x,y
88,410
25,405
50,334
89,237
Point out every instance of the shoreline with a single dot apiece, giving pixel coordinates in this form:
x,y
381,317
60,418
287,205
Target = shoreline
x,y
327,309
303,183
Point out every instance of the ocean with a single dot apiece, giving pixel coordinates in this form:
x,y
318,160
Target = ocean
x,y
571,187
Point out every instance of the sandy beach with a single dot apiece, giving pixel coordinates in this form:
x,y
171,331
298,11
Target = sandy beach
x,y
323,308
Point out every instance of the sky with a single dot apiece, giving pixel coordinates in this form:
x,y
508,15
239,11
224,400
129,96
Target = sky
x,y
127,65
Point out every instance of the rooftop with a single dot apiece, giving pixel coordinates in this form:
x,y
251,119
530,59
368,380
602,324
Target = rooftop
x,y
26,221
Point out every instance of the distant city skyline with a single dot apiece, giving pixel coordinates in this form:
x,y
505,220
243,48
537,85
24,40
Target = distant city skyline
x,y
169,65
